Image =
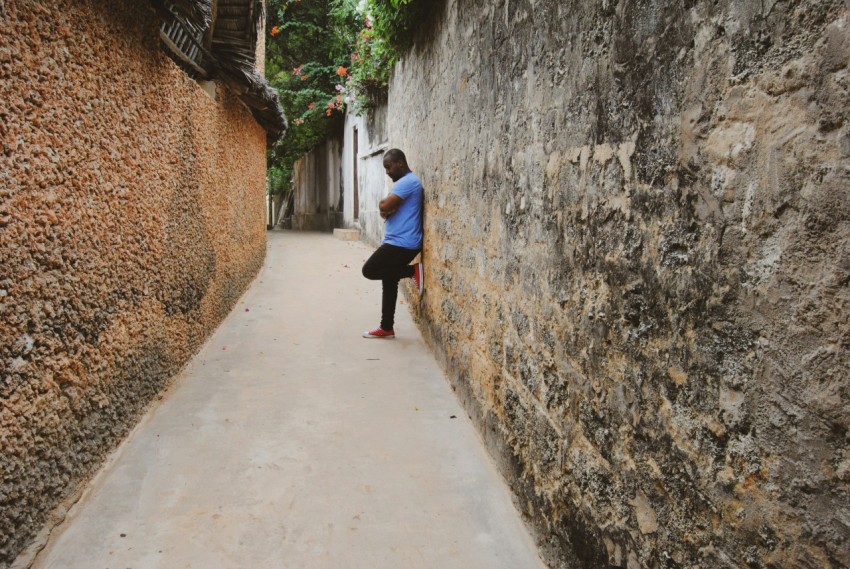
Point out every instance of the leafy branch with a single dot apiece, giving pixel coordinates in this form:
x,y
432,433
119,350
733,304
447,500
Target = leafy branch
x,y
324,54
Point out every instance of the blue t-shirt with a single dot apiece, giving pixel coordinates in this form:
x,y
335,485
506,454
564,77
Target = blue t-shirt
x,y
404,227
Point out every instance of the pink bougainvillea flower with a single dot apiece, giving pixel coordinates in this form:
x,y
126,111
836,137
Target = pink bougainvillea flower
x,y
328,112
311,106
354,57
297,70
340,88
368,22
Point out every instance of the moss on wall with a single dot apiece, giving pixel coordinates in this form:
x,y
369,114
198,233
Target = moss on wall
x,y
131,219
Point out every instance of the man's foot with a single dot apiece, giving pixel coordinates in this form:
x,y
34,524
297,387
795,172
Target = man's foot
x,y
419,277
379,333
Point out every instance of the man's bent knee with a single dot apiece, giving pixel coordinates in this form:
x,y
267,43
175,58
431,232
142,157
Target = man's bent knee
x,y
370,272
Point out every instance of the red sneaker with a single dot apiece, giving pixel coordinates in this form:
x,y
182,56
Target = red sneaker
x,y
418,277
379,333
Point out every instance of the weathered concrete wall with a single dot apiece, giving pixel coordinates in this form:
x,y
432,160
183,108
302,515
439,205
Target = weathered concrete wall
x,y
638,252
317,187
372,182
131,220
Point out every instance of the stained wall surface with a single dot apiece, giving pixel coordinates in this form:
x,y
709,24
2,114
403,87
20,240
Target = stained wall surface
x,y
638,267
365,157
131,220
317,187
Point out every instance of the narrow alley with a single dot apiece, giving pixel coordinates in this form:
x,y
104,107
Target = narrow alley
x,y
291,442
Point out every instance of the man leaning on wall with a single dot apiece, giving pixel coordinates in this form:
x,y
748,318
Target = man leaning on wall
x,y
402,210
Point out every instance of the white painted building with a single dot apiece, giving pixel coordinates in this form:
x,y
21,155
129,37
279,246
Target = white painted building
x,y
364,181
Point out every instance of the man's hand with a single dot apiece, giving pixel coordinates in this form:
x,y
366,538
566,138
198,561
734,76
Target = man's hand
x,y
389,205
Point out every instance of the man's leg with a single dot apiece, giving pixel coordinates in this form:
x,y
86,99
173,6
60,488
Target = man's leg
x,y
388,300
389,264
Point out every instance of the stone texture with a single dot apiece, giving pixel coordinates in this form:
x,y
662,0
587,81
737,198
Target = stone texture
x,y
131,219
638,241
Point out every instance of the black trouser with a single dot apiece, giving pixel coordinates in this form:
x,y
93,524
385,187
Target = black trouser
x,y
389,264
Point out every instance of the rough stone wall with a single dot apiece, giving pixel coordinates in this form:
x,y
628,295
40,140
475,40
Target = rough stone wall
x,y
131,220
638,267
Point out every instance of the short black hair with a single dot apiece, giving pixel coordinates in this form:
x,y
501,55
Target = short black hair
x,y
395,155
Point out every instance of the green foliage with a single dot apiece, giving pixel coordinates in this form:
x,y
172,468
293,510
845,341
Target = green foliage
x,y
275,180
395,21
321,54
386,30
304,49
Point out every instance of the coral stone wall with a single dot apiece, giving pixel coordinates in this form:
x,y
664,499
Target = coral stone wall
x,y
638,267
131,219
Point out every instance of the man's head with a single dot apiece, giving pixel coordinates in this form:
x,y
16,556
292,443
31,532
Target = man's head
x,y
395,164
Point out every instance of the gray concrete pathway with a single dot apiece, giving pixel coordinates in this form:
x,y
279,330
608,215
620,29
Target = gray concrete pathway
x,y
291,442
